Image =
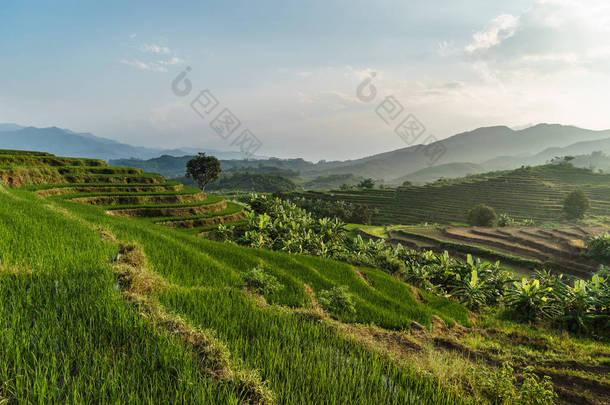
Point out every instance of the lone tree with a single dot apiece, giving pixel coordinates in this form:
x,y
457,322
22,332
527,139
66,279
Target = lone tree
x,y
576,204
482,215
203,169
367,183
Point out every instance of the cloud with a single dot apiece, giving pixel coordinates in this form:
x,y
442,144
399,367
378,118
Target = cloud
x,y
146,62
172,61
133,36
551,37
154,48
498,29
150,66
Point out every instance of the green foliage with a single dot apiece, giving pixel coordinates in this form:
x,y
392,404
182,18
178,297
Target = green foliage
x,y
576,204
338,301
502,387
534,391
531,301
347,212
203,169
280,225
252,182
482,215
367,183
598,247
262,282
507,220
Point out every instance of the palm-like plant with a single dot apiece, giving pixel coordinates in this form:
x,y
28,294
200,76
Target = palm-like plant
x,y
531,300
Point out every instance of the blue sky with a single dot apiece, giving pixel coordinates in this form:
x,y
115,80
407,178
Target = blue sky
x,y
289,70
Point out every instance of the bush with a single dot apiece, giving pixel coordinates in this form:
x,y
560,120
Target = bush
x,y
482,215
261,282
367,183
598,247
338,302
576,204
501,387
505,220
532,300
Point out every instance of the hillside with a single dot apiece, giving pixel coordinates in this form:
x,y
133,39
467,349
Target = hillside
x,y
102,302
530,193
446,171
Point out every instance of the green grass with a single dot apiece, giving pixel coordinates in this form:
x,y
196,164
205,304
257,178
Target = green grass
x,y
533,193
207,289
232,208
68,335
209,200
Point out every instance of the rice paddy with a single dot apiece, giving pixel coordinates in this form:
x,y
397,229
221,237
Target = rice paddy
x,y
101,308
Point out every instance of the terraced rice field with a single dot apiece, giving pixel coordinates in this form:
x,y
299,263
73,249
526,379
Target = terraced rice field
x,y
558,249
98,308
531,193
121,191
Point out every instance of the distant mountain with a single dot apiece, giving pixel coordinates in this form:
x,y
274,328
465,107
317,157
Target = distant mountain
x,y
68,143
477,151
9,127
476,147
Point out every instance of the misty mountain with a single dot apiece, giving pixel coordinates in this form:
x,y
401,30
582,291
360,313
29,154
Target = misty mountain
x,y
475,147
68,143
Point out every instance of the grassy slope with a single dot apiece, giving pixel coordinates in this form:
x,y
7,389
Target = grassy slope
x,y
70,337
58,290
536,193
61,264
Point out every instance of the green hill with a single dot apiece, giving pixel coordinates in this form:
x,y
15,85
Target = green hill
x,y
529,193
101,303
446,171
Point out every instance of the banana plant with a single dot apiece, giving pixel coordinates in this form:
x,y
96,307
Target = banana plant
x,y
531,301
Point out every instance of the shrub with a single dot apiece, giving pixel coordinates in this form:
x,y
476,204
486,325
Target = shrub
x,y
482,215
598,247
531,300
338,302
261,282
501,387
367,183
576,204
505,220
534,391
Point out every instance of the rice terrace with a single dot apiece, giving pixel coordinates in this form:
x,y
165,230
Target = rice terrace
x,y
241,324
293,203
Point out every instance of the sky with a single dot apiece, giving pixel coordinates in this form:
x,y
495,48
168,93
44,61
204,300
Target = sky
x,y
299,75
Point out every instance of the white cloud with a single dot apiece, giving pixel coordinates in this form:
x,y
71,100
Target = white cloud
x,y
146,62
133,36
172,61
498,29
150,66
551,37
154,48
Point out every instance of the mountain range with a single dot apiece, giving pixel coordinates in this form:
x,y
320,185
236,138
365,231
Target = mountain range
x,y
481,150
68,143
